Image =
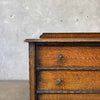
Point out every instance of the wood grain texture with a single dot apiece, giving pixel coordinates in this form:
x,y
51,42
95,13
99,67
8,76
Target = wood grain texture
x,y
72,80
79,68
70,35
69,97
67,37
32,71
73,56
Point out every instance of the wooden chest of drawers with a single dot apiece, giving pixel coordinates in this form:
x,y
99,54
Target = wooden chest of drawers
x,y
65,66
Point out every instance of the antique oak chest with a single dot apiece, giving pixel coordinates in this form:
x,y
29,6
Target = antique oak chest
x,y
65,66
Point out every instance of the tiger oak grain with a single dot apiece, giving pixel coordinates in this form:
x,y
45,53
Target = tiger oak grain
x,y
72,80
73,56
69,97
74,75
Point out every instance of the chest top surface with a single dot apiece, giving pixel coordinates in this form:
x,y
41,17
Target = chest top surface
x,y
67,37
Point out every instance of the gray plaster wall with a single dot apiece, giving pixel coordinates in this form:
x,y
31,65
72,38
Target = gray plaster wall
x,y
21,19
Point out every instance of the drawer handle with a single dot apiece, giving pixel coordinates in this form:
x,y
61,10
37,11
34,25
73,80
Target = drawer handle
x,y
60,58
60,82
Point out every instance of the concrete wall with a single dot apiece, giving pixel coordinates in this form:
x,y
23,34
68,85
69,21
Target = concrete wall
x,y
21,19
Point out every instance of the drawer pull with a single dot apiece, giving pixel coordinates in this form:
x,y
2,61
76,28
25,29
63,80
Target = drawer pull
x,y
60,58
60,82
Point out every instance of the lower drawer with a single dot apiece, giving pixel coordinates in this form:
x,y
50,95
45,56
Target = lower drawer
x,y
68,80
69,97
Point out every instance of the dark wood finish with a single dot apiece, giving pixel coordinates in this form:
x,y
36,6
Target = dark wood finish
x,y
70,44
32,71
69,97
72,35
72,80
74,75
73,56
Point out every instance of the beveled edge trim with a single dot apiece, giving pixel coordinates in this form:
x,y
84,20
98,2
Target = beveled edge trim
x,y
69,92
66,68
64,40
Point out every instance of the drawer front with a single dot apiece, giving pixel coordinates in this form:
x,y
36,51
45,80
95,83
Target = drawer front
x,y
69,97
66,56
68,80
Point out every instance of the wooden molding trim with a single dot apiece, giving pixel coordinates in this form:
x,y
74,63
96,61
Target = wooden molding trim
x,y
71,35
67,69
70,92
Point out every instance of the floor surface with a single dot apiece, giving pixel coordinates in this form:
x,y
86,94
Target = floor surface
x,y
14,90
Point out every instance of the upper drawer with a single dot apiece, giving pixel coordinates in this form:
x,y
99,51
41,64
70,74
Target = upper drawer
x,y
67,56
